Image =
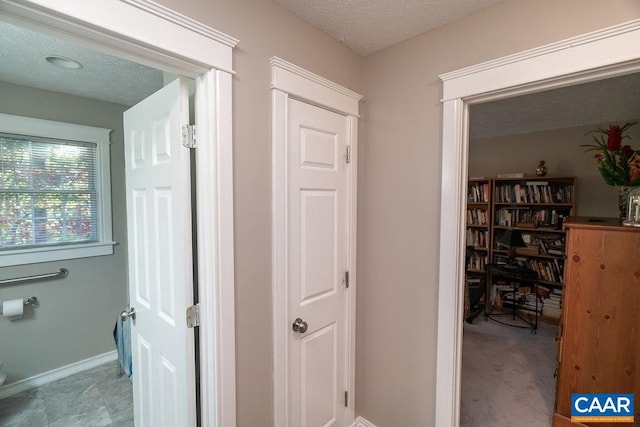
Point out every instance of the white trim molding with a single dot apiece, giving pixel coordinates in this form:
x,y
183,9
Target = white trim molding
x,y
184,21
58,373
290,81
302,84
50,129
361,422
601,54
131,29
148,33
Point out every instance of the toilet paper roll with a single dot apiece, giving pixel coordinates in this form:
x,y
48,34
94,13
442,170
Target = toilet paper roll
x,y
13,308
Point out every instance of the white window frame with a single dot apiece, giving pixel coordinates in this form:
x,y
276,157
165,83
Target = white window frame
x,y
31,127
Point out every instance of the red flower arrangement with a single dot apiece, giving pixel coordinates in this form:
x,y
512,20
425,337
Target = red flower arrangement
x,y
618,164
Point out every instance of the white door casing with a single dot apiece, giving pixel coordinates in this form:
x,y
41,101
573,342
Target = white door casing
x,y
147,32
314,228
601,54
160,257
317,260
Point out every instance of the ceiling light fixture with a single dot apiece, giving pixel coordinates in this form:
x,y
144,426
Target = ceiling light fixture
x,y
61,61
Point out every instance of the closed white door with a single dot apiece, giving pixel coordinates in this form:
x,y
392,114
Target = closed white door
x,y
317,260
160,263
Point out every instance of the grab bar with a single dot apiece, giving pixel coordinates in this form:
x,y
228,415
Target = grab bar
x,y
63,272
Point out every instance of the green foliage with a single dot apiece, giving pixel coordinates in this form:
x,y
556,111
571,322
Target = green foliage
x,y
618,165
47,192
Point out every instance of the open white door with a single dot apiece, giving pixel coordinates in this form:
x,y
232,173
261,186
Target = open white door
x,y
160,258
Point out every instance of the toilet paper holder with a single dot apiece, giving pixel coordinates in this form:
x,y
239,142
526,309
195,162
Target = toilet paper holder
x,y
27,301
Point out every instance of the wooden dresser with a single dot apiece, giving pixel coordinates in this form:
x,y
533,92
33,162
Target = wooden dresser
x,y
599,334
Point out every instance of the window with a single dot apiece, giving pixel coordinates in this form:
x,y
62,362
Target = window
x,y
55,195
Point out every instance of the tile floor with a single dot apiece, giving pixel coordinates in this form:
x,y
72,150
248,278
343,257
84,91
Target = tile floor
x,y
97,397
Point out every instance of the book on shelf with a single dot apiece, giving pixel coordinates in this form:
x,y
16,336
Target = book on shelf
x,y
477,217
478,192
476,261
534,192
527,217
477,238
511,175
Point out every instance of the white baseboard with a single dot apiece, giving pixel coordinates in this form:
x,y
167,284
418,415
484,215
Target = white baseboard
x,y
361,422
56,374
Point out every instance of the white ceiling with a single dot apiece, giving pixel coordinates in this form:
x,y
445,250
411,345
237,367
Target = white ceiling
x,y
368,26
604,101
108,78
104,77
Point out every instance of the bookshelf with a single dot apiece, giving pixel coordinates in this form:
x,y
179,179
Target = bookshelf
x,y
537,208
478,229
478,244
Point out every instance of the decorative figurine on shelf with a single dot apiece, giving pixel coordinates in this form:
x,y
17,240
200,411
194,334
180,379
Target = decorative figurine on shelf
x,y
541,170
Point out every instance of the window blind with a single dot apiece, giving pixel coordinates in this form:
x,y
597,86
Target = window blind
x,y
48,192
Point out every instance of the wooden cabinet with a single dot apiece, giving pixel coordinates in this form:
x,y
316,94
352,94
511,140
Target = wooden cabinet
x,y
599,334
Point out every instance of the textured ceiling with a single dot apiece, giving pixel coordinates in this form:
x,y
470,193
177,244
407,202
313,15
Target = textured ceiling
x,y
104,77
611,100
367,26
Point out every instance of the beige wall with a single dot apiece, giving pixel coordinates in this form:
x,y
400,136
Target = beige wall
x,y
76,315
264,30
400,183
564,157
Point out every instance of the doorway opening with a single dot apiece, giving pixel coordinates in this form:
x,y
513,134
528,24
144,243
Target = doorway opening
x,y
97,94
512,136
210,65
583,59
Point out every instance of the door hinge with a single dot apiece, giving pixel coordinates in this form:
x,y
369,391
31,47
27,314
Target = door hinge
x,y
346,399
346,279
189,136
348,154
193,316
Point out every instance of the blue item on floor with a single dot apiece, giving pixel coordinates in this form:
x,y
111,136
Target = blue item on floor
x,y
122,337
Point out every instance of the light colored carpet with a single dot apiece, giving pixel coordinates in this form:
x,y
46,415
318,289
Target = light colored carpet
x,y
507,375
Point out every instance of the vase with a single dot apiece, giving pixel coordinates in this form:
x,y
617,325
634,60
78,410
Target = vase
x,y
623,200
541,170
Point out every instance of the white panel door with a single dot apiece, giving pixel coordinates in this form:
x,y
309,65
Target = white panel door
x,y
317,259
160,263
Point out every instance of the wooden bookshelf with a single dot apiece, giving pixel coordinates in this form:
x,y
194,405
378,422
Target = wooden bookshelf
x,y
478,229
537,207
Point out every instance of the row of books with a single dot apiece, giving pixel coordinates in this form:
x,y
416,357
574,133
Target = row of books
x,y
527,217
478,192
503,295
533,192
476,261
477,238
550,246
523,301
551,301
547,303
477,217
549,270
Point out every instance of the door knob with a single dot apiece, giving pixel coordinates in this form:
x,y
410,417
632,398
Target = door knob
x,y
300,326
128,314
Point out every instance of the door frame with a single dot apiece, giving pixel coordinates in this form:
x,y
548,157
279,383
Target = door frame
x,y
290,81
597,55
148,33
